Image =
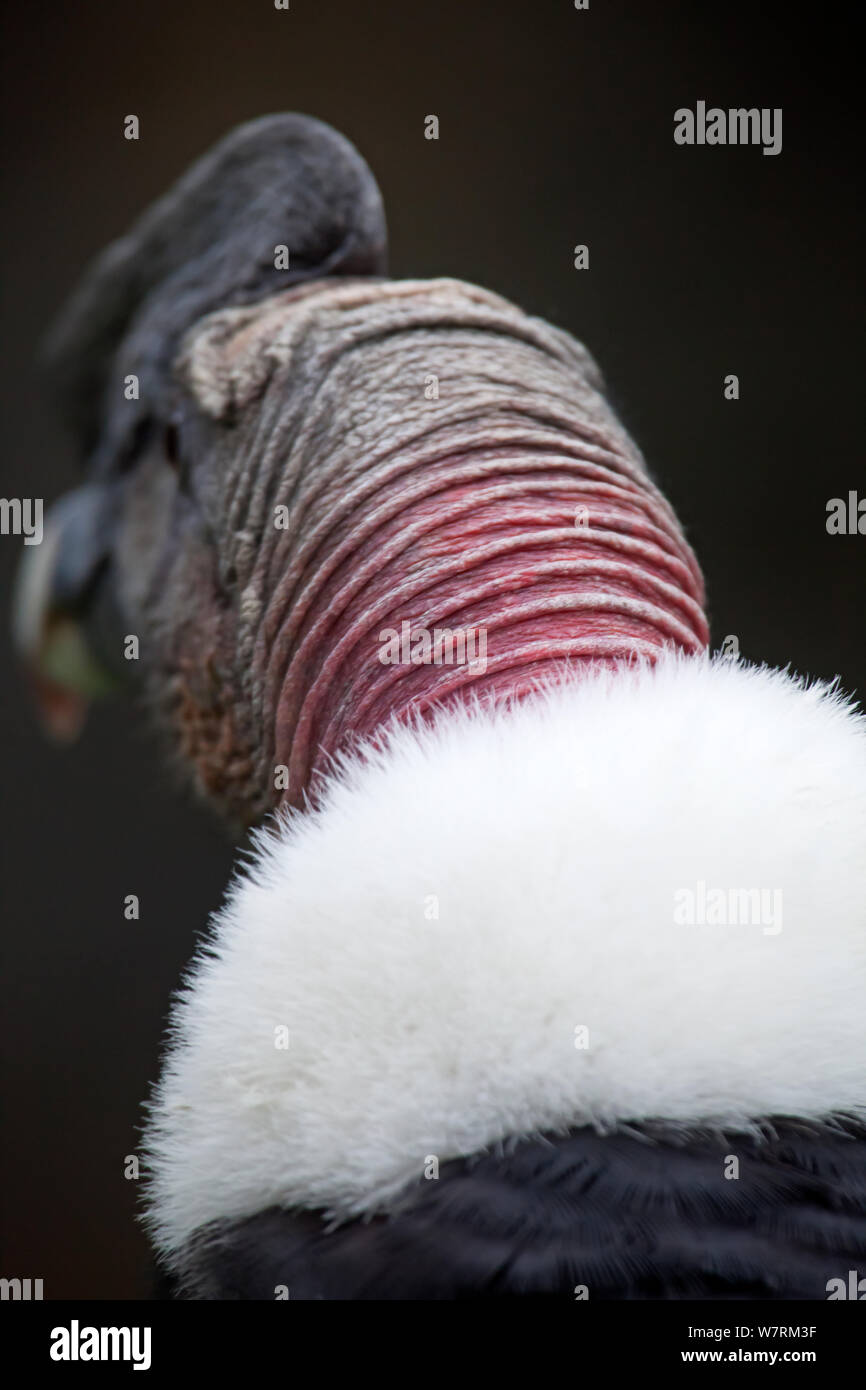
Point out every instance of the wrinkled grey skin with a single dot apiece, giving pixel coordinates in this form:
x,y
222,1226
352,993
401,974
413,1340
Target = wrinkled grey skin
x,y
260,386
304,387
131,548
209,244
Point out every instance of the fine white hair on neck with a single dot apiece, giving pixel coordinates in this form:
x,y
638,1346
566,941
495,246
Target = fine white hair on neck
x,y
478,935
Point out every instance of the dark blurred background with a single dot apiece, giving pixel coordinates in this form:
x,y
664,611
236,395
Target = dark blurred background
x,y
556,128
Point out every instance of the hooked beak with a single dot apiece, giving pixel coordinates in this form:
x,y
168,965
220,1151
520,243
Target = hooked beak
x,y
63,612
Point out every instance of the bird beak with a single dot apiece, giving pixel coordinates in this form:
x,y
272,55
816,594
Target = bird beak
x,y
59,611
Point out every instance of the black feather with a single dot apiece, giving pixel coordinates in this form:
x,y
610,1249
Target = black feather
x,y
646,1215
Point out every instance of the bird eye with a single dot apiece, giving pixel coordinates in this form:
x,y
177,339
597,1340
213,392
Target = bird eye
x,y
134,445
174,453
171,444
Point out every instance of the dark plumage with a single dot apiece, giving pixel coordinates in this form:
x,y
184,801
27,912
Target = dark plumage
x,y
317,457
627,1215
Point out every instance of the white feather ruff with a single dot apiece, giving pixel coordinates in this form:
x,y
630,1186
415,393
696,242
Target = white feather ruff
x,y
435,938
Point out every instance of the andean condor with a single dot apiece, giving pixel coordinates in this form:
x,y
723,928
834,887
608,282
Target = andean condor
x,y
546,973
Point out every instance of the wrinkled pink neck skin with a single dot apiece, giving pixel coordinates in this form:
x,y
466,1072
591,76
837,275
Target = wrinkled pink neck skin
x,y
536,567
470,544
